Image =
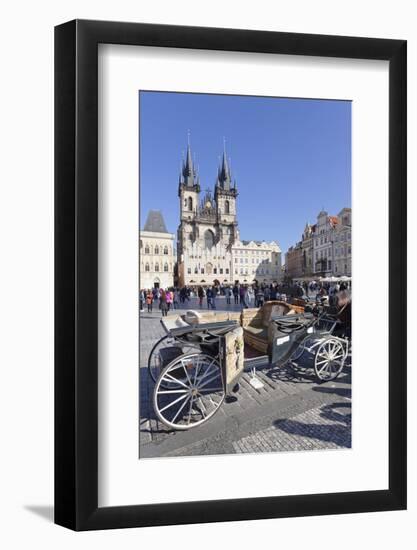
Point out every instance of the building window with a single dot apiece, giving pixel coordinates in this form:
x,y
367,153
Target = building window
x,y
215,270
156,267
140,243
189,271
227,271
190,203
165,267
227,207
221,271
165,250
146,267
147,249
195,270
209,239
202,270
156,249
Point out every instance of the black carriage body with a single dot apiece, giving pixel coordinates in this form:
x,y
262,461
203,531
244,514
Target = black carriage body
x,y
286,333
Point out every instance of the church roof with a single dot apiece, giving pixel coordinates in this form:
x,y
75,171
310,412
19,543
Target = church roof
x,y
155,222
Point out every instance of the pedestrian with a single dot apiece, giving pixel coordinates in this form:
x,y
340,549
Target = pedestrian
x,y
163,306
168,297
142,299
149,300
175,298
249,295
267,294
236,293
200,294
215,291
228,293
242,291
259,297
209,296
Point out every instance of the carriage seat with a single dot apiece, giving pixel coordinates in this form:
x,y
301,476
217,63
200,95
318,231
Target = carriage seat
x,y
255,322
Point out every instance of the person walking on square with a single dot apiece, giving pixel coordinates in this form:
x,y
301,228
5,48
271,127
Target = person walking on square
x,y
209,296
228,293
163,306
248,296
200,294
242,291
175,298
149,300
168,297
214,288
259,297
236,294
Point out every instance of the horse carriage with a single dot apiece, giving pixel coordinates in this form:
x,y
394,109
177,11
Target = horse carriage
x,y
199,360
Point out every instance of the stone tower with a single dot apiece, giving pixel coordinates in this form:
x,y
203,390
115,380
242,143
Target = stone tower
x,y
189,195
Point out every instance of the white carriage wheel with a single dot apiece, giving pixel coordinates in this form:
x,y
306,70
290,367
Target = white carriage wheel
x,y
189,391
330,359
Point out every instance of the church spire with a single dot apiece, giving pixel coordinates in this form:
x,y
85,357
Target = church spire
x,y
224,176
188,171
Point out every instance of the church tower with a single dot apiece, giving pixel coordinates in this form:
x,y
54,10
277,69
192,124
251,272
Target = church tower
x,y
189,195
225,195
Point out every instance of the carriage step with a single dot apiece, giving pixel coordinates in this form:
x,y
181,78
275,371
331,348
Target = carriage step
x,y
256,383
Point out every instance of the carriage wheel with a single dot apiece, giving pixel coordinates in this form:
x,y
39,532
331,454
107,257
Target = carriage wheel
x,y
301,348
154,361
329,360
189,391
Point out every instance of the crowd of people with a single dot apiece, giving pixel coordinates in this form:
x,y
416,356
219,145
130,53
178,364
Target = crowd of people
x,y
245,295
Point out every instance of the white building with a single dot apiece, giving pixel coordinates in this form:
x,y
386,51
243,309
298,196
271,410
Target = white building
x,y
156,253
256,260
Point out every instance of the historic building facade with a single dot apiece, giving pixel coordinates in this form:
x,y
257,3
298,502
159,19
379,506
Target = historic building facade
x,y
256,260
209,250
325,248
342,244
323,244
157,258
294,261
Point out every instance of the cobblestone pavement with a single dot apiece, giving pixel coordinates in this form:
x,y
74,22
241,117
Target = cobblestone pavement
x,y
291,412
318,428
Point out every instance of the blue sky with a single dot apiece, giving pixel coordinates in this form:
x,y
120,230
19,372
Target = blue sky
x,y
290,157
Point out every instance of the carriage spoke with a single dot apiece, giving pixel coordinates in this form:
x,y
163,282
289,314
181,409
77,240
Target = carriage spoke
x,y
203,407
209,380
190,409
208,390
180,409
174,402
207,372
170,378
186,372
173,391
